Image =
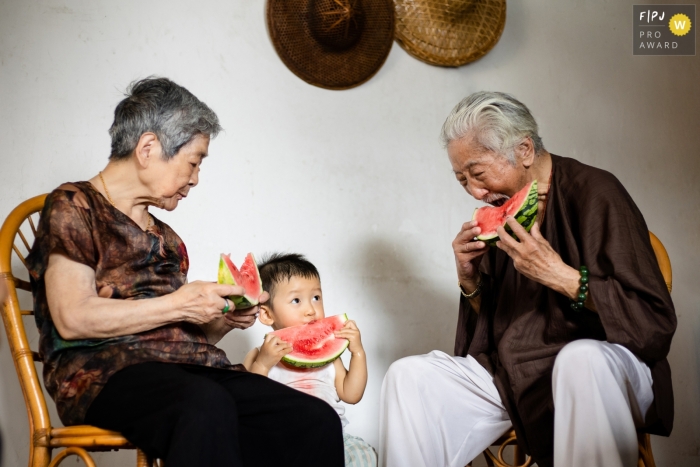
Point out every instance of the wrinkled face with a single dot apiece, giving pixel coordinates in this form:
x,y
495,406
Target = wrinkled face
x,y
174,178
487,176
297,301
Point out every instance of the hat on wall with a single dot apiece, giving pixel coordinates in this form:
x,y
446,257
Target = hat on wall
x,y
333,44
449,32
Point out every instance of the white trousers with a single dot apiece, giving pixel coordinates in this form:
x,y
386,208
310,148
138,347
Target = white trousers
x,y
437,410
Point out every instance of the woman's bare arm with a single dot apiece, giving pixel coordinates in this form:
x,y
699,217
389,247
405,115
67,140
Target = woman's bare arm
x,y
79,313
468,256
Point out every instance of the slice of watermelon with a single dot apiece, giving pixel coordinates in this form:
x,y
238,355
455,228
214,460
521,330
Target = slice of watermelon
x,y
314,344
522,206
247,277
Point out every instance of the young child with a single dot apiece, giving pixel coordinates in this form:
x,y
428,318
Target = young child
x,y
296,298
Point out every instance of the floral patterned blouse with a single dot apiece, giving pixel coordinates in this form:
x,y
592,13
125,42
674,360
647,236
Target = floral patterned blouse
x,y
129,264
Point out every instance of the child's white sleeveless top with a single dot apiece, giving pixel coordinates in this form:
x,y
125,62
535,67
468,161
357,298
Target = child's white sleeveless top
x,y
319,382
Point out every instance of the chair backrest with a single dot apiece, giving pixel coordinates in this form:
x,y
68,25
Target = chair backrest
x,y
17,228
663,259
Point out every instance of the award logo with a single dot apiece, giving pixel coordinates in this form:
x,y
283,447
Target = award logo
x,y
664,29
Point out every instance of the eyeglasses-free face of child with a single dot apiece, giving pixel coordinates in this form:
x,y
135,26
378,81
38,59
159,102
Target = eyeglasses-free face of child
x,y
296,301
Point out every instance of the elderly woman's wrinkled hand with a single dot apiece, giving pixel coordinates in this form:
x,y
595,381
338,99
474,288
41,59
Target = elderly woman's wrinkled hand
x,y
245,318
202,302
468,254
534,258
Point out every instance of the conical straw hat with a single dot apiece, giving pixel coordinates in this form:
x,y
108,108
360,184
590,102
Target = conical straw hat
x,y
333,44
449,32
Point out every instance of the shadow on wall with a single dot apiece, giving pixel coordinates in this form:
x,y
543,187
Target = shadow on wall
x,y
413,314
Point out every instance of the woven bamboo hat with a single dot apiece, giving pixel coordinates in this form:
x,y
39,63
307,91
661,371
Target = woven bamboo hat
x,y
449,32
333,44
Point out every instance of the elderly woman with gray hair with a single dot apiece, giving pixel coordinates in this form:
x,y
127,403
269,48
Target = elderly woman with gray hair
x,y
562,334
128,344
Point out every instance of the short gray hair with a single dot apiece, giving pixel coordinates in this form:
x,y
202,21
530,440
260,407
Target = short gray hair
x,y
498,120
168,110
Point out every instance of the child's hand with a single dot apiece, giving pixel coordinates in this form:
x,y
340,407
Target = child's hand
x,y
352,334
272,351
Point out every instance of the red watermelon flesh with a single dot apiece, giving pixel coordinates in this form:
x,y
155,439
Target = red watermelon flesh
x,y
247,277
522,206
314,344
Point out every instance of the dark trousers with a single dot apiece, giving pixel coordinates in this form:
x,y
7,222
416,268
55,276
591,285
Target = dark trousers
x,y
198,416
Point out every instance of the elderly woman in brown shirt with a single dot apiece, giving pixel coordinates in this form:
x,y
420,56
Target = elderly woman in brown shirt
x,y
562,334
127,343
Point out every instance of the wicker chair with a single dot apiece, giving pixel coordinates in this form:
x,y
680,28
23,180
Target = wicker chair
x,y
646,457
43,436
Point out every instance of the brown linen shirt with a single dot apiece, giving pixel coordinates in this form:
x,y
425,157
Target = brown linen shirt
x,y
590,220
129,264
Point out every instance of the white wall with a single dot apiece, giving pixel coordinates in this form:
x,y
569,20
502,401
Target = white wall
x,y
354,179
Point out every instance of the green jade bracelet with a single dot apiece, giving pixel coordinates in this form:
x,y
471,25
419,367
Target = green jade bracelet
x,y
577,305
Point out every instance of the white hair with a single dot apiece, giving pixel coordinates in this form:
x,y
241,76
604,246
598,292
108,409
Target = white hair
x,y
496,119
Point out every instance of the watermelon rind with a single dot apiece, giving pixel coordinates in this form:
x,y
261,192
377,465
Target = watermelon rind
x,y
242,303
526,215
226,277
299,362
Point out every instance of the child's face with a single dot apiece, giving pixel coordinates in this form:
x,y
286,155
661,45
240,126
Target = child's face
x,y
297,301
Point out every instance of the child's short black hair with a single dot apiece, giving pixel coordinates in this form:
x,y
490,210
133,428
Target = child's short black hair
x,y
278,267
